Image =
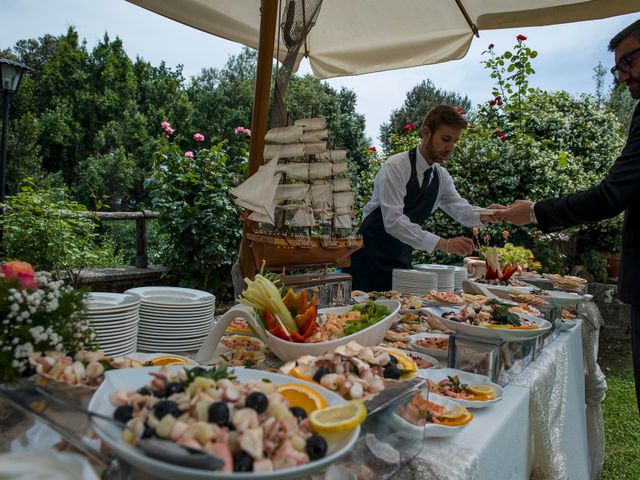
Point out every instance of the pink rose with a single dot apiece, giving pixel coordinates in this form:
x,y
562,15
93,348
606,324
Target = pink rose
x,y
505,234
198,137
242,131
22,271
166,128
188,154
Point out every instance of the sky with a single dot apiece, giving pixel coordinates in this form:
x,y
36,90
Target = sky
x,y
567,53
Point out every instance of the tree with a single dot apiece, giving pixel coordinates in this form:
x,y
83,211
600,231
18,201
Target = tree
x,y
419,100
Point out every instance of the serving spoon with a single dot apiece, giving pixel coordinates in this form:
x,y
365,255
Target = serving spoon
x,y
155,448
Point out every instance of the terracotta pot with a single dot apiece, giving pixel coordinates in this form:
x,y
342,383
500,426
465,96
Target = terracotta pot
x,y
475,266
613,265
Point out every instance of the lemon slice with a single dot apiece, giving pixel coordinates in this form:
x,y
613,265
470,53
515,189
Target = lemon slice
x,y
453,413
405,363
168,360
302,396
481,389
340,418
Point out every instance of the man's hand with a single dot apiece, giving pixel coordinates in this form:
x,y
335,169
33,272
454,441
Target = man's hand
x,y
462,246
518,212
496,217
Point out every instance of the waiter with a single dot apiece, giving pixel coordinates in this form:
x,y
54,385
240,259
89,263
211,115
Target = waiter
x,y
407,189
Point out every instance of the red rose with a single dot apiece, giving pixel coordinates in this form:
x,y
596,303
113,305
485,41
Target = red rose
x,y
491,46
460,110
372,149
408,127
521,38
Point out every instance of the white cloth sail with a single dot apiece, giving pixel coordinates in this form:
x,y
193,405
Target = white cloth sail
x,y
284,135
313,136
341,184
283,150
315,148
292,192
332,156
311,123
343,201
303,217
342,221
322,196
257,193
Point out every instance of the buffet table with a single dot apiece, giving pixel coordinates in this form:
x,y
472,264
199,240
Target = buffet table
x,y
504,441
538,430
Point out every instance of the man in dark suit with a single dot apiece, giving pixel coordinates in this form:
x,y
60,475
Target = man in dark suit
x,y
619,191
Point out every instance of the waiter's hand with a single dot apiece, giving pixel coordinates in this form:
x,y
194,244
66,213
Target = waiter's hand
x,y
496,217
462,246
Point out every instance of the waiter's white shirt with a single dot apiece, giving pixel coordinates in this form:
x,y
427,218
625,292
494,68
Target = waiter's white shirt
x,y
390,188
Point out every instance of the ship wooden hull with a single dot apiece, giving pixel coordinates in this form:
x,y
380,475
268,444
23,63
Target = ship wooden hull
x,y
284,251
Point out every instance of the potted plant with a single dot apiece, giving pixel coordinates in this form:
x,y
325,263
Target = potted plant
x,y
606,237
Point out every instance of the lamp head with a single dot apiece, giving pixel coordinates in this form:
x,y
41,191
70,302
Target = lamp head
x,y
10,74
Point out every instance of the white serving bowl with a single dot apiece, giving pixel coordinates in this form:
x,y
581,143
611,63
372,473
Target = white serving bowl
x,y
287,351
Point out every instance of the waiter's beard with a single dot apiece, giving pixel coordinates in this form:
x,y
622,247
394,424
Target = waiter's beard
x,y
433,156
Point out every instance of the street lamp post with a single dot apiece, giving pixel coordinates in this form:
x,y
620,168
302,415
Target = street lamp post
x,y
10,74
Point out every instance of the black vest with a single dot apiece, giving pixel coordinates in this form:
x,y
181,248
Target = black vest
x,y
372,265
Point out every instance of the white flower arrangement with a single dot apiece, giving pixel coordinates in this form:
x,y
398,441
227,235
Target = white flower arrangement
x,y
39,314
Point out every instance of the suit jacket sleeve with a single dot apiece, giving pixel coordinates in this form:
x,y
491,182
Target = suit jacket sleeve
x,y
619,189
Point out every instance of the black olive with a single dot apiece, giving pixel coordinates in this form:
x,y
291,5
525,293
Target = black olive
x,y
321,372
197,371
242,462
258,401
144,390
316,447
72,355
229,425
166,407
160,393
219,413
299,413
393,360
391,371
149,432
173,387
123,413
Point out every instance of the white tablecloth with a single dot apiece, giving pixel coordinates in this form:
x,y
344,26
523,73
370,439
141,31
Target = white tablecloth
x,y
500,442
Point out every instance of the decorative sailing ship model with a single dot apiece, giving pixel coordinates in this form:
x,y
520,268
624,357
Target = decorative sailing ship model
x,y
299,204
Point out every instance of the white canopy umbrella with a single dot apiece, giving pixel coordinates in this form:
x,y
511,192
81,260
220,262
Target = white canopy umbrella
x,y
352,37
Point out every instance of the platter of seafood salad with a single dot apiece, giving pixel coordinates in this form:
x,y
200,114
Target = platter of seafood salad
x,y
255,424
491,318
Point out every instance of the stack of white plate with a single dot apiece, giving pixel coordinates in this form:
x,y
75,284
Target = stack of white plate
x,y
414,281
114,317
459,275
444,273
173,319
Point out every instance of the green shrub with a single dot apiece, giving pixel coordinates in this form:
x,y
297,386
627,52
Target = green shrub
x,y
45,228
596,263
198,223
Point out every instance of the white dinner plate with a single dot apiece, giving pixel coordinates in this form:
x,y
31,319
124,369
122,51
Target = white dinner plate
x,y
435,375
175,296
439,354
431,430
173,309
110,302
133,378
508,335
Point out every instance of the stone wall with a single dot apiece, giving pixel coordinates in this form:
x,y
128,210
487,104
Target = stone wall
x,y
616,315
120,279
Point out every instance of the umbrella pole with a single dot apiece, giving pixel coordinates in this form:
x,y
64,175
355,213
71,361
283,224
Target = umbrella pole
x,y
268,16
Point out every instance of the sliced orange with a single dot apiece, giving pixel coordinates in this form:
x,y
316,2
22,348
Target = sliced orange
x,y
168,360
302,396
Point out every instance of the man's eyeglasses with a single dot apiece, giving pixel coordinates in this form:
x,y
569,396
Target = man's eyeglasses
x,y
624,64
